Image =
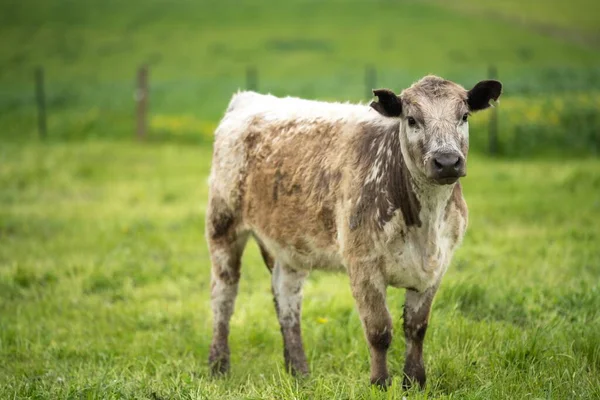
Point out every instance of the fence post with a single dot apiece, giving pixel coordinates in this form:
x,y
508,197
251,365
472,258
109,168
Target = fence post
x,y
370,80
493,128
251,78
141,98
40,99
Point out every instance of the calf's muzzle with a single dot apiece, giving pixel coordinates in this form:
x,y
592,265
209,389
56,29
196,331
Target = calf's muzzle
x,y
446,168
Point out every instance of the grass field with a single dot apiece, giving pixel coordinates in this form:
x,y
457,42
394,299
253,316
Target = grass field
x,y
104,287
104,271
105,41
579,16
198,52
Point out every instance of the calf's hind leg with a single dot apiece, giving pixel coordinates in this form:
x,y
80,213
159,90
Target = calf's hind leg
x,y
226,246
287,285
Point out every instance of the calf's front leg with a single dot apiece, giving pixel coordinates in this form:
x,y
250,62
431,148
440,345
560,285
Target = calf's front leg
x,y
416,315
368,289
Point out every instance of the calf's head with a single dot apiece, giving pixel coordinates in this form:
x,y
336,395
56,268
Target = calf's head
x,y
434,128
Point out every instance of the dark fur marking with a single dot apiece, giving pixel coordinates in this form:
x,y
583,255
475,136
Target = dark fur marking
x,y
376,319
394,191
220,224
293,351
266,256
231,275
218,358
420,333
301,246
280,188
276,183
327,216
354,220
221,219
381,341
253,136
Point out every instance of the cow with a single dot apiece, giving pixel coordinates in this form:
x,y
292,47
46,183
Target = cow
x,y
372,191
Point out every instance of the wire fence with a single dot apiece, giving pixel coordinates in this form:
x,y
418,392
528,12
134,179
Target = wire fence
x,y
544,111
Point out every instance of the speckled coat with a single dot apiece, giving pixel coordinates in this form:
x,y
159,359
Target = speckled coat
x,y
340,186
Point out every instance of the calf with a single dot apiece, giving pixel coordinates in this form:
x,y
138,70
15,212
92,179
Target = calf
x,y
372,191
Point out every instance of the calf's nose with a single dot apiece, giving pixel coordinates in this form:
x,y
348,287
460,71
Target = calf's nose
x,y
448,165
447,162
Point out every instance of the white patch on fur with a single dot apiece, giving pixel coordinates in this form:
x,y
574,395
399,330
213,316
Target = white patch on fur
x,y
287,288
292,108
220,258
421,258
414,301
222,300
463,128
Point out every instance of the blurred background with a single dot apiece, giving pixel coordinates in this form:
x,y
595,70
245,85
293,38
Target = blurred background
x,y
107,113
199,52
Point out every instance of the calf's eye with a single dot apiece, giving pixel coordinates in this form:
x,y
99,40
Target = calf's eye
x,y
465,117
411,121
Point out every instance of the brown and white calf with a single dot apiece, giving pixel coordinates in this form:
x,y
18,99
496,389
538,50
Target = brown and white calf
x,y
372,191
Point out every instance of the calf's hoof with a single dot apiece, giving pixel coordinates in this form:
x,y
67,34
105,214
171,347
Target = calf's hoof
x,y
299,371
382,382
220,367
295,362
218,362
409,382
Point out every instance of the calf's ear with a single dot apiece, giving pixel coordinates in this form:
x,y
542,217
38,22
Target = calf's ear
x,y
479,97
389,104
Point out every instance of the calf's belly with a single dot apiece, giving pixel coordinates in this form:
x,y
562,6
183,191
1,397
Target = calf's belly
x,y
301,252
293,227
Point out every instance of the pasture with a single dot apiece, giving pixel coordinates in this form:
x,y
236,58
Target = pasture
x,y
105,287
104,271
198,53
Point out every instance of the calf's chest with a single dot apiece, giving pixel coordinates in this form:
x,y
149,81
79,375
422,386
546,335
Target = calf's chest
x,y
418,258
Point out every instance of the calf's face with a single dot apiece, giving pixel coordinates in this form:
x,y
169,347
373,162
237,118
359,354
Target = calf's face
x,y
434,127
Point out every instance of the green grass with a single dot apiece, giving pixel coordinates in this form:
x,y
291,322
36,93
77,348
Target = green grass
x,y
198,52
104,287
104,272
576,16
107,40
